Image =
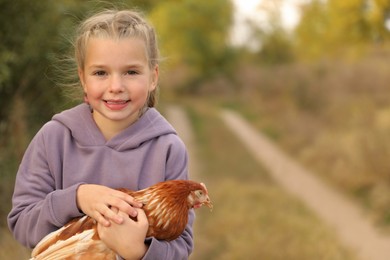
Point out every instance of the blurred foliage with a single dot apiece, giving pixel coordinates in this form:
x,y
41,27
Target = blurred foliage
x,y
194,35
276,45
341,28
327,29
274,40
25,53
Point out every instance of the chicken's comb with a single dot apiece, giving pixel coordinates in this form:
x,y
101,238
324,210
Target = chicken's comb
x,y
204,186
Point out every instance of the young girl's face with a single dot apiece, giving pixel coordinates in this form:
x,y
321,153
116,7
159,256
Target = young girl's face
x,y
117,79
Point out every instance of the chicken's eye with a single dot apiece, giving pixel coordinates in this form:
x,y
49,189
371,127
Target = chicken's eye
x,y
199,193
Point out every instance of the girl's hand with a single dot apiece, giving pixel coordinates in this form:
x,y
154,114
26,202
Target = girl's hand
x,y
97,202
126,239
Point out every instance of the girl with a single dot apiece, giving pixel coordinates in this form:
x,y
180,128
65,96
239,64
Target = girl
x,y
116,139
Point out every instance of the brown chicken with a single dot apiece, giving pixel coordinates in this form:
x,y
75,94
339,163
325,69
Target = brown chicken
x,y
166,205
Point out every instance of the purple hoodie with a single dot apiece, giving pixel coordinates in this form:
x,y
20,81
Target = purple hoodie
x,y
70,150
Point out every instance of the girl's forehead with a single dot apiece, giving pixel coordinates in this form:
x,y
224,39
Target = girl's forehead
x,y
115,40
115,50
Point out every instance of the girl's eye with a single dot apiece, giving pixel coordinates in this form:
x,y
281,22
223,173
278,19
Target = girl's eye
x,y
100,73
132,72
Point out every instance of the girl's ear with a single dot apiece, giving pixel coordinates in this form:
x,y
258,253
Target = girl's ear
x,y
82,80
154,79
86,98
81,77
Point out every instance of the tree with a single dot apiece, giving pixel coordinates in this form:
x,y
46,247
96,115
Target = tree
x,y
378,16
194,34
28,38
338,28
275,42
310,34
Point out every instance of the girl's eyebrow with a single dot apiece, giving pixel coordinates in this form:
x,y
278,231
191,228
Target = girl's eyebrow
x,y
96,66
134,65
130,65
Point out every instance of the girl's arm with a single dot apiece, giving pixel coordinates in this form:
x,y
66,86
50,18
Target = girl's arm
x,y
180,248
39,206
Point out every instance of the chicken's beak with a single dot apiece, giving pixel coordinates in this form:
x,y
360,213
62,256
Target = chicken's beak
x,y
208,203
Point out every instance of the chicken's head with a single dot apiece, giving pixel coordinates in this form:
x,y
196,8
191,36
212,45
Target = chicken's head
x,y
199,197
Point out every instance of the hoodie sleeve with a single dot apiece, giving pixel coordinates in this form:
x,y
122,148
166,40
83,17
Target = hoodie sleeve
x,y
39,206
180,248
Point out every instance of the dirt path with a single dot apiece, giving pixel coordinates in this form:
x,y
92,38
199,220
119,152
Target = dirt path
x,y
179,119
344,217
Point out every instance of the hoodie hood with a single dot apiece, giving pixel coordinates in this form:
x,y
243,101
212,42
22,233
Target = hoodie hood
x,y
84,130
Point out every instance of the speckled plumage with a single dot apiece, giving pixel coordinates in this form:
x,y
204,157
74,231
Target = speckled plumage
x,y
166,205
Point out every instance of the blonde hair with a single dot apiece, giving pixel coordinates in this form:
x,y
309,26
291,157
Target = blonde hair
x,y
116,24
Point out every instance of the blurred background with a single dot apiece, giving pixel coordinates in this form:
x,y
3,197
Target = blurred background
x,y
311,74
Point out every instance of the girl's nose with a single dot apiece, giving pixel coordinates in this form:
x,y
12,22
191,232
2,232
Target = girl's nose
x,y
116,84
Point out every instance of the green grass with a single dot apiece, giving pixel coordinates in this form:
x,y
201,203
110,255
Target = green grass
x,y
10,249
253,218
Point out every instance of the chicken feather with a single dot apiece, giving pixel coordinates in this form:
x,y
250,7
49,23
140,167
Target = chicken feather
x,y
166,205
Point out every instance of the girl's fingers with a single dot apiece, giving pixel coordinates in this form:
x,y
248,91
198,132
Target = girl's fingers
x,y
105,215
123,204
130,200
113,216
102,220
115,210
141,217
126,197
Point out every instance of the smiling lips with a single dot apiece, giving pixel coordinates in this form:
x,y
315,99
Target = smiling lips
x,y
116,104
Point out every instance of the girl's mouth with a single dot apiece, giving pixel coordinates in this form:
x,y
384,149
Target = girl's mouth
x,y
116,104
